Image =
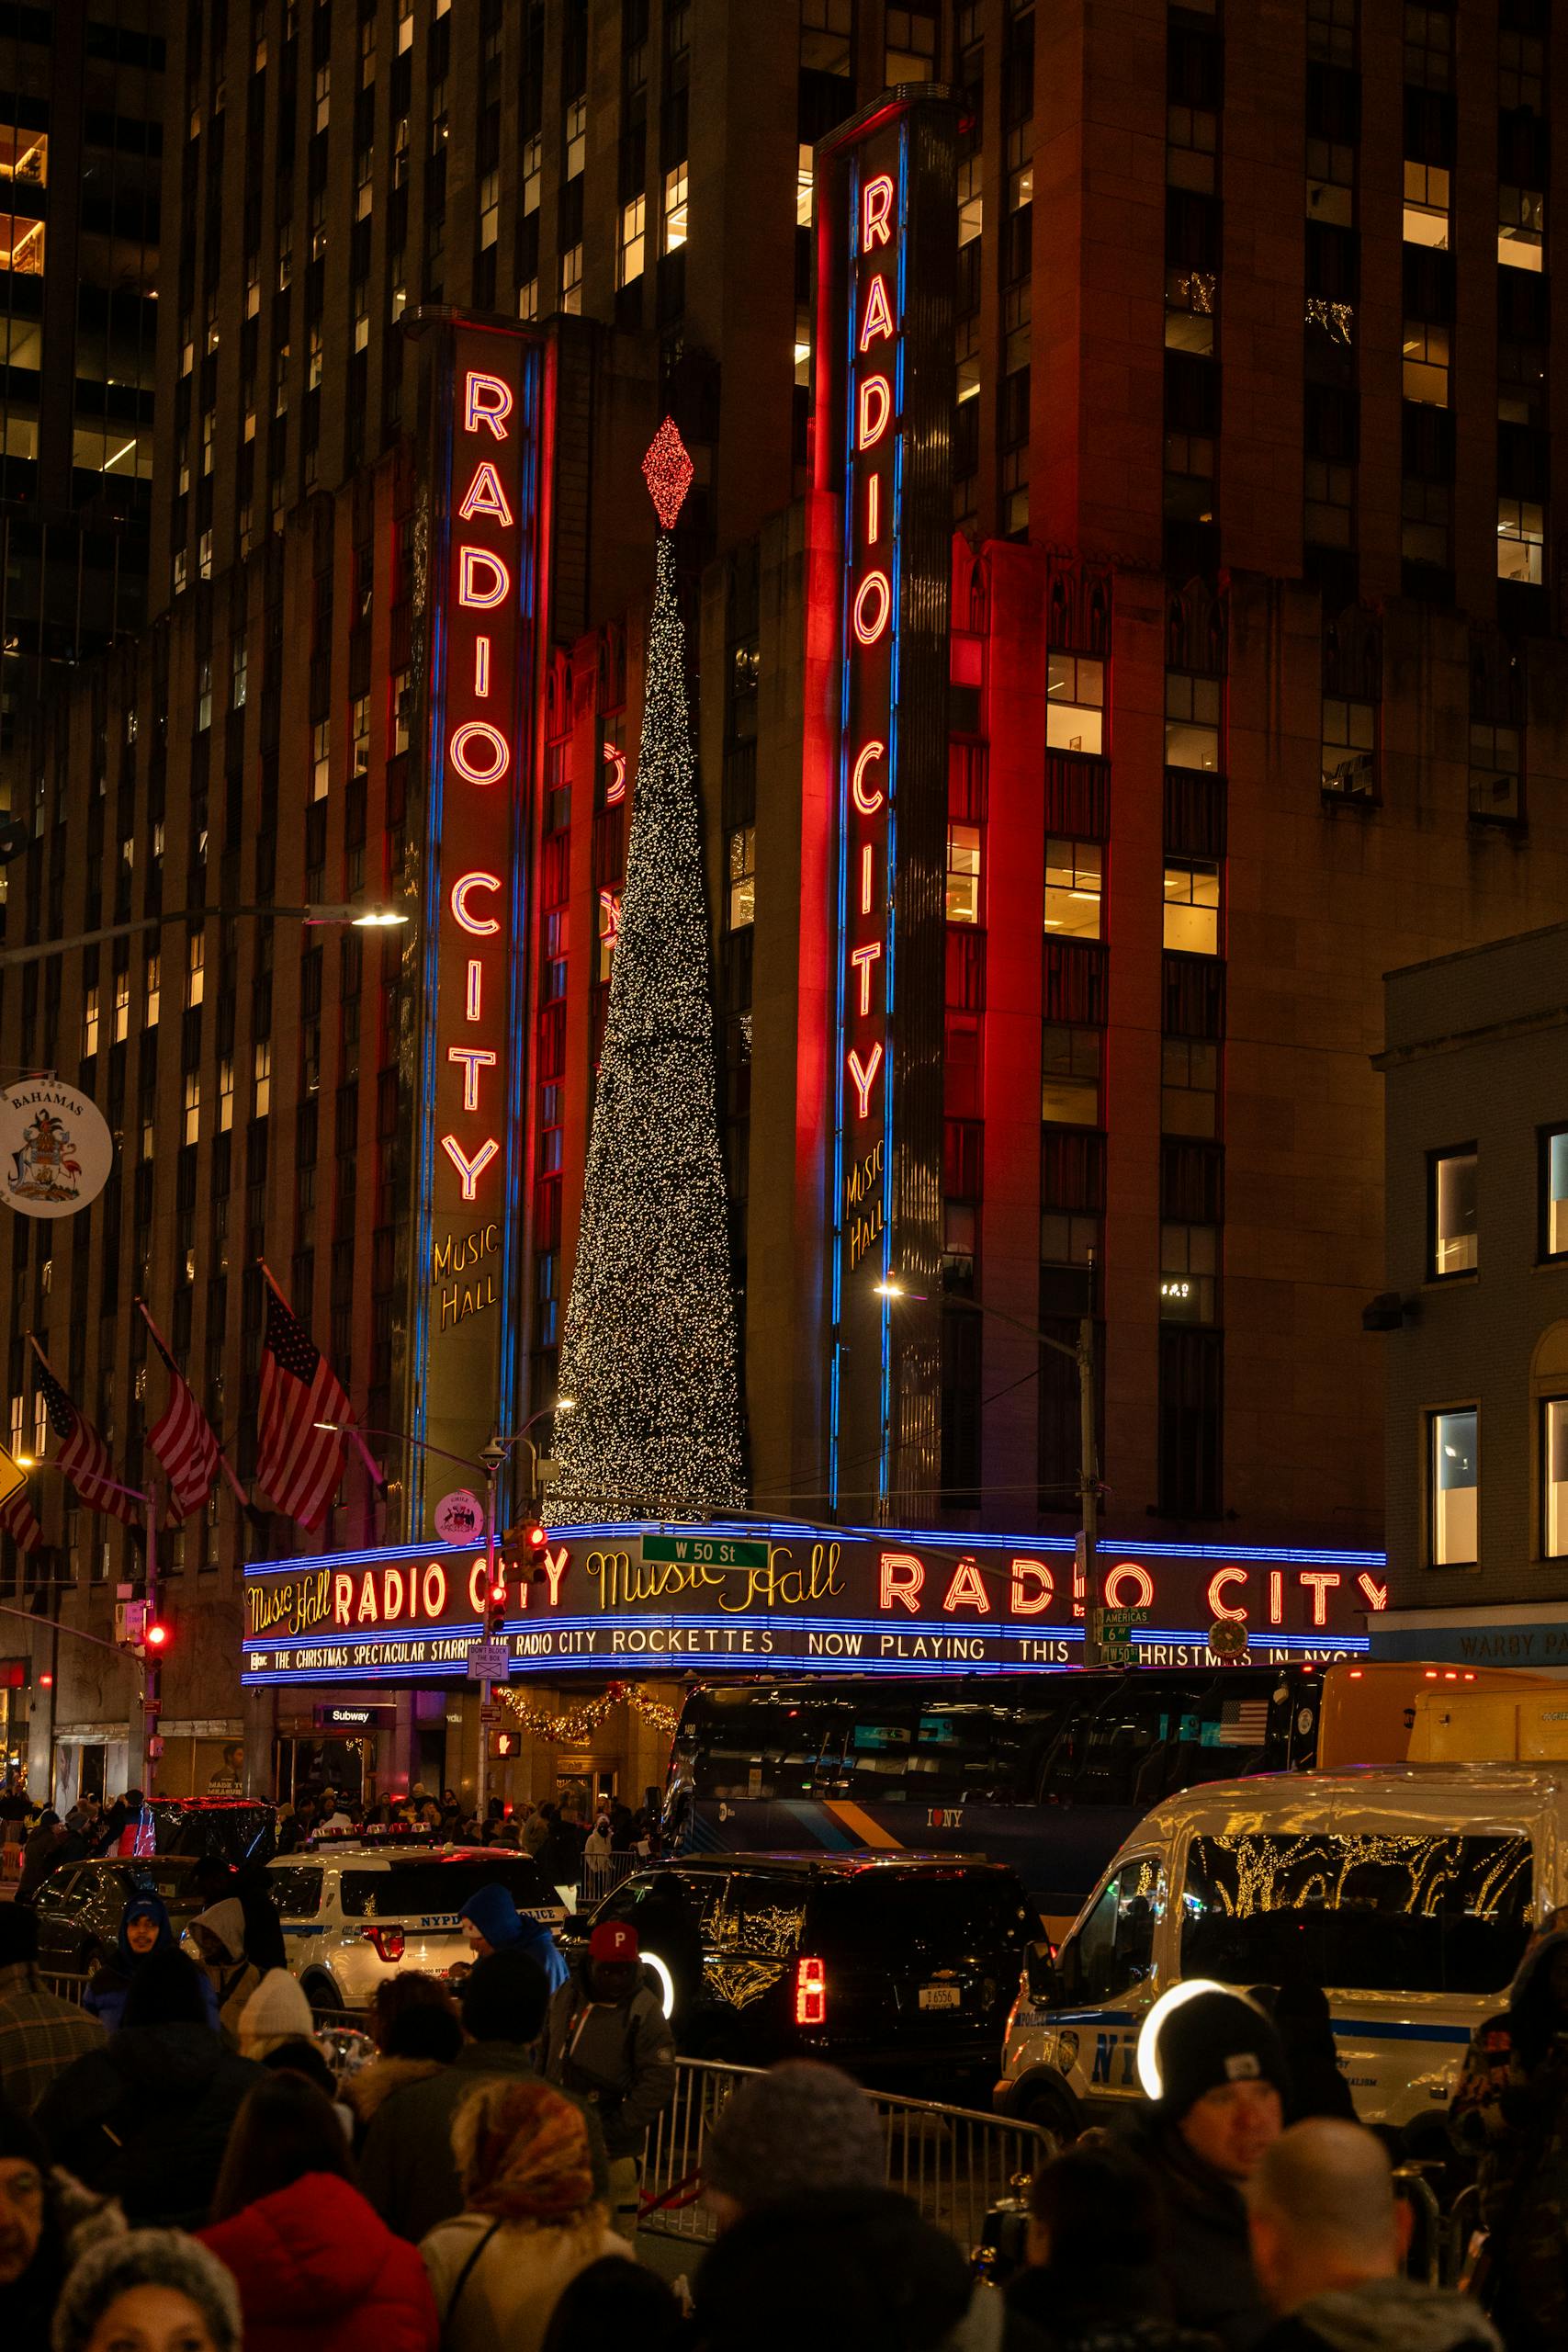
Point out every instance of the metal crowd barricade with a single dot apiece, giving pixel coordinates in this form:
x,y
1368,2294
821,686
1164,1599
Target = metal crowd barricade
x,y
598,1877
956,2162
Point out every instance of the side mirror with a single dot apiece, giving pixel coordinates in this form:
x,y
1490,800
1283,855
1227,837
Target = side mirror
x,y
1041,1977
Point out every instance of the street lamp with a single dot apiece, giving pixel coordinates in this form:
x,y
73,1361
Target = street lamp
x,y
336,912
1082,1354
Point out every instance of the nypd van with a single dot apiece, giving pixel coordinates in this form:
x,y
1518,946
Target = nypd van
x,y
356,1913
1406,1891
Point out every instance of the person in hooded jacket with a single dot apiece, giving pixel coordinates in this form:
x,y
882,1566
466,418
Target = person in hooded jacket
x,y
219,1937
47,2221
316,2268
1223,2088
1510,2110
146,2118
1095,2280
490,1921
144,1929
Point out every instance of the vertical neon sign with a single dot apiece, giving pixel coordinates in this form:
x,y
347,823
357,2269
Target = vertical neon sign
x,y
481,694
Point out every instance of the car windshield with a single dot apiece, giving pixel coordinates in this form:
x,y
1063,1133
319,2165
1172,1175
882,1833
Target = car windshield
x,y
442,1885
1376,1912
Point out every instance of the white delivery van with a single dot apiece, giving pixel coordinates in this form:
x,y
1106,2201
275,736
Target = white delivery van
x,y
1407,1892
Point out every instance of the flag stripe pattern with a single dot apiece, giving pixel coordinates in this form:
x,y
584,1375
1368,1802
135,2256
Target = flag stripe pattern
x,y
297,1463
19,1520
84,1458
182,1440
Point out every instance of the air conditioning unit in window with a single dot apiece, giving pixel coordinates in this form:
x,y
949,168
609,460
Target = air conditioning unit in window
x,y
1494,799
1354,778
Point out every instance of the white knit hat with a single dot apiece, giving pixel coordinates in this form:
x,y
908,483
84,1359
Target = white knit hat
x,y
276,2011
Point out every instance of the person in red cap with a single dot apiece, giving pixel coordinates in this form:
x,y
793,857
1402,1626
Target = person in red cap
x,y
608,2040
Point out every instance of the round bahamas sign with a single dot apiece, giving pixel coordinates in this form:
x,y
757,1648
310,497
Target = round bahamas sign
x,y
55,1149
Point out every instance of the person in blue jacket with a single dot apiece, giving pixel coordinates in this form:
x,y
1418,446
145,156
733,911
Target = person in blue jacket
x,y
491,1922
144,1929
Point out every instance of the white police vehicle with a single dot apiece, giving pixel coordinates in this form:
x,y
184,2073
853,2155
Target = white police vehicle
x,y
1407,1892
354,1913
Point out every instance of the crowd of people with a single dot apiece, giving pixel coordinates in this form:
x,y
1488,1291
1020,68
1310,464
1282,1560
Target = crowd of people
x,y
183,2170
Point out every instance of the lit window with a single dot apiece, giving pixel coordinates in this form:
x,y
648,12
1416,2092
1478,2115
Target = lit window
x,y
263,1072
1426,512
1495,771
1349,758
532,173
675,209
1190,137
1555,1477
1069,1092
803,345
1454,1441
1425,363
1190,296
528,300
1074,884
609,933
239,674
192,1128
1521,540
575,137
121,1006
1189,1268
24,156
804,186
1192,906
1075,704
90,1022
963,872
1427,205
741,862
320,758
571,280
970,205
1451,1203
1329,500
21,244
1521,228
1191,721
150,1015
1189,1087
195,968
629,253
360,741
225,1096
489,210
323,96
1554,1193
910,53
204,693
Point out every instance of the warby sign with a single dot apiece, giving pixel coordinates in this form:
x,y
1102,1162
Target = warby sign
x,y
798,1600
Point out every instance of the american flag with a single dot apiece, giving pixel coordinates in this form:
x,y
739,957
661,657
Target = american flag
x,y
298,1463
19,1520
183,1438
84,1458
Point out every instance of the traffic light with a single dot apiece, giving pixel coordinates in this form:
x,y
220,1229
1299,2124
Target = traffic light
x,y
504,1745
535,1543
495,1598
155,1635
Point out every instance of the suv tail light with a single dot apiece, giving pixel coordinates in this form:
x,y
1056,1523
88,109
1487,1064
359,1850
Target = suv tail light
x,y
389,1942
810,1993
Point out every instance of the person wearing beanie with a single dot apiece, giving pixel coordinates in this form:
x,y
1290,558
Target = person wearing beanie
x,y
533,2217
218,1936
41,2035
276,2011
46,2220
156,2289
1222,2089
802,2125
490,1921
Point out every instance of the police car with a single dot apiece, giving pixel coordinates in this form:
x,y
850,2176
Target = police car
x,y
1407,1892
356,1913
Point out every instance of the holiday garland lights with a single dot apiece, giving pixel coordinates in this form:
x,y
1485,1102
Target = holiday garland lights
x,y
649,1351
580,1722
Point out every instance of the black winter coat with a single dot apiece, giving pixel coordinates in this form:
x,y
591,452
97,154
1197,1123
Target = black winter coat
x,y
1207,2254
147,2118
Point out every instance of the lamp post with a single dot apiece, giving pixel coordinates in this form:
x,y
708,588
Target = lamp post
x,y
357,918
1082,1354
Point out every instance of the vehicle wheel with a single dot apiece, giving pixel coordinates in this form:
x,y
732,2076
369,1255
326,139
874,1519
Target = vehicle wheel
x,y
323,1993
1054,2114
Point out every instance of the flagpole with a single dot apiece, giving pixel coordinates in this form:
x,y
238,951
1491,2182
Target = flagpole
x,y
167,1354
152,1686
378,1475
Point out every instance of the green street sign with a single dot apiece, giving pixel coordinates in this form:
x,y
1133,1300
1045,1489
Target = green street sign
x,y
1111,1618
704,1551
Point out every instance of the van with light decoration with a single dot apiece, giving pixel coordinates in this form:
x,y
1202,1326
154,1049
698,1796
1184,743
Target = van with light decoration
x,y
1407,1892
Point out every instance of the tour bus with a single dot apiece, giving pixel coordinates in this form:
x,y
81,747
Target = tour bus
x,y
1407,1892
1048,1771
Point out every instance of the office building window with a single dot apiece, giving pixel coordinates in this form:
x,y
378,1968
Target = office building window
x,y
1189,1087
1349,748
1192,906
1329,500
1453,1480
1495,771
1190,296
1521,540
1555,1477
628,258
1331,182
1554,1193
575,137
1191,721
805,185
571,280
196,968
1075,705
1425,513
1426,206
1074,883
1070,1077
675,209
1188,1272
911,46
192,1107
1521,228
1451,1213
742,862
963,872
1331,31
1425,363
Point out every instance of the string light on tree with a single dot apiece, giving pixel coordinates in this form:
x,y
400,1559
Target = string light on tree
x,y
649,1348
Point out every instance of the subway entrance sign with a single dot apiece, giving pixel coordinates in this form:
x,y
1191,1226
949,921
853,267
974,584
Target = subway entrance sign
x,y
704,1551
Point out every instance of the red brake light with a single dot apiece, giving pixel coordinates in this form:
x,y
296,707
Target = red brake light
x,y
810,1993
389,1942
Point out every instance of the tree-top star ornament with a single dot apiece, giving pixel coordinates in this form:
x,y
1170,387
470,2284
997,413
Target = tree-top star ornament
x,y
649,1352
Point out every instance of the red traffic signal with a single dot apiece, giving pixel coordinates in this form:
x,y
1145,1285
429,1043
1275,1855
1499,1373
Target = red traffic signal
x,y
155,1633
535,1537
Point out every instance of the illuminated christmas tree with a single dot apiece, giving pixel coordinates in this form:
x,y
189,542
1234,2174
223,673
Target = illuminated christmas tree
x,y
649,1352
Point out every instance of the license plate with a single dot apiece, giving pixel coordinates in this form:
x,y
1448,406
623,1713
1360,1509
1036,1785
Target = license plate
x,y
941,1996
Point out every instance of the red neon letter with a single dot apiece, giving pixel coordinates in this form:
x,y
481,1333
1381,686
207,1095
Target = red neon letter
x,y
863,1077
488,402
900,1578
472,1058
434,1593
1143,1585
1377,1594
1021,1599
867,803
478,731
471,1171
876,204
875,592
485,495
479,1585
863,959
391,1593
875,408
967,1591
343,1595
1320,1583
555,1566
617,787
1276,1596
482,666
878,314
873,509
866,879
366,1611
1218,1607
475,592
475,988
482,926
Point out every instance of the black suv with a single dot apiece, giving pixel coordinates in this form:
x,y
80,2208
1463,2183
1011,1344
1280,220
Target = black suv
x,y
899,1967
